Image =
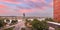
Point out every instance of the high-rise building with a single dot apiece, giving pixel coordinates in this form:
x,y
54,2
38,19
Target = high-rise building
x,y
23,15
57,10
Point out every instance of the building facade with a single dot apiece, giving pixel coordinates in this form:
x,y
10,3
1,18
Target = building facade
x,y
57,10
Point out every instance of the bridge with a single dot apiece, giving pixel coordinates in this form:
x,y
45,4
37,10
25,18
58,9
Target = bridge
x,y
54,25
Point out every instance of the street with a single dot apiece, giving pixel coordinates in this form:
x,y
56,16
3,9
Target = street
x,y
19,25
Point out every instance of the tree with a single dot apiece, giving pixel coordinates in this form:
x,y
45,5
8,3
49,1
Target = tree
x,y
14,21
57,28
2,23
10,28
7,20
39,25
49,19
27,21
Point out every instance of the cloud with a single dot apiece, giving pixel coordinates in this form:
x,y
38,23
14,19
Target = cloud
x,y
25,11
6,10
25,6
11,1
3,11
3,6
51,4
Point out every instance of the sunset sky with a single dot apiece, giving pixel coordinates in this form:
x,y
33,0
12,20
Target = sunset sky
x,y
43,8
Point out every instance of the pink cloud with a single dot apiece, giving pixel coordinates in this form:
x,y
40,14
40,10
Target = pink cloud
x,y
3,6
44,7
37,7
39,10
7,12
41,1
34,0
30,10
25,10
51,4
3,11
11,1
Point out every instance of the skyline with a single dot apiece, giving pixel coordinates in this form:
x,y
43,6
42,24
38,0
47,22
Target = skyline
x,y
29,7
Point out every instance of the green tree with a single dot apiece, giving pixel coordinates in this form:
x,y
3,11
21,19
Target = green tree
x,y
7,20
39,25
57,28
27,21
10,28
2,23
14,21
49,19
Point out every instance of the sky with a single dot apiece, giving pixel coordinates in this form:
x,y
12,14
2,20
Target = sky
x,y
41,8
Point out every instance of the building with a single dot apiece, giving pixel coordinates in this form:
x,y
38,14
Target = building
x,y
57,10
9,17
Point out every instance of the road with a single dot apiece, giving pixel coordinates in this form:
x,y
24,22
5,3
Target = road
x,y
19,25
50,28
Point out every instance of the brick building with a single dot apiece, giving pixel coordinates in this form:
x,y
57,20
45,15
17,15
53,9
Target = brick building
x,y
57,10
